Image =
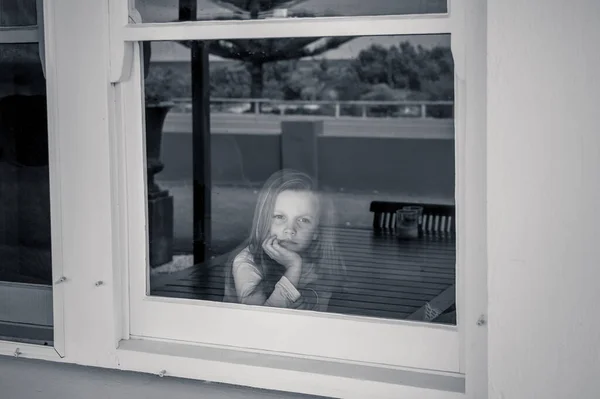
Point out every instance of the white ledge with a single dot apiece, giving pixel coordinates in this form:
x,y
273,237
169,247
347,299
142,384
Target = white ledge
x,y
29,351
285,372
293,27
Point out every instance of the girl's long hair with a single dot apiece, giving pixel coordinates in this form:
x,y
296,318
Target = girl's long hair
x,y
323,252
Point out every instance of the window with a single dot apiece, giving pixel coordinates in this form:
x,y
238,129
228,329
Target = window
x,y
152,233
18,13
102,162
367,120
26,303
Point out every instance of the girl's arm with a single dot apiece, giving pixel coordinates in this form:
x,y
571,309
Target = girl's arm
x,y
247,279
316,291
313,298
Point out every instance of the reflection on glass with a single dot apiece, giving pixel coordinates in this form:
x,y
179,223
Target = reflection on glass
x,y
25,239
168,10
290,197
18,12
291,257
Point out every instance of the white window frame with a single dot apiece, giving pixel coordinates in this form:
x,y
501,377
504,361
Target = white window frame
x,y
98,217
311,334
35,298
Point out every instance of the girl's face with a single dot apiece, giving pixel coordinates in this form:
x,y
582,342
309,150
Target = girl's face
x,y
295,219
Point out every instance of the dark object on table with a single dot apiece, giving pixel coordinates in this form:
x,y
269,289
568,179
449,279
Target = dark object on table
x,y
437,219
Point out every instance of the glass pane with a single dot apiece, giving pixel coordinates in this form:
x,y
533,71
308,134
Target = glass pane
x,y
168,10
18,12
345,157
25,253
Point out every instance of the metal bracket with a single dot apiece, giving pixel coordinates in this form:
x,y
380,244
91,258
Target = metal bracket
x,y
121,52
60,280
481,320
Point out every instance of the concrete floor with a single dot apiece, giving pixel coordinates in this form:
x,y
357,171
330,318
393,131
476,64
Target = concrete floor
x,y
32,379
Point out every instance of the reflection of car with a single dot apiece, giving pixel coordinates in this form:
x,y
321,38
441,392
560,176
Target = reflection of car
x,y
311,107
182,107
409,110
238,108
268,108
275,108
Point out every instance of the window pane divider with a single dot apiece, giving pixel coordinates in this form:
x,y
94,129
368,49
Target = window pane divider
x,y
286,27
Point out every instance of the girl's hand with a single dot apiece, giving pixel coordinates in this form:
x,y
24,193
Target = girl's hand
x,y
285,257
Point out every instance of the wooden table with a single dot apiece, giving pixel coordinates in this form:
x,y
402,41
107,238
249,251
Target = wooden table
x,y
387,277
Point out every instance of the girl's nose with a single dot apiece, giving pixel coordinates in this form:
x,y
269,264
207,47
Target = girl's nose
x,y
289,231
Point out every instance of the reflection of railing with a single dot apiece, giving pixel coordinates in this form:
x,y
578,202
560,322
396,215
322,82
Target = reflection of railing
x,y
337,109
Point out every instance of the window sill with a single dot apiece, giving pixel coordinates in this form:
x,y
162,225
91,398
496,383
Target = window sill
x,y
29,351
284,372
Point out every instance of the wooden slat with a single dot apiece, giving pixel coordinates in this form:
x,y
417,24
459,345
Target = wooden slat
x,y
343,304
365,282
413,296
385,277
436,219
356,302
357,295
375,275
334,308
399,292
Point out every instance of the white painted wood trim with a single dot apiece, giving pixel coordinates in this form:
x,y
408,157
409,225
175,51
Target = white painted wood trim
x,y
121,51
462,178
55,175
29,351
473,289
304,333
294,27
457,39
267,371
83,207
15,35
120,195
462,182
280,372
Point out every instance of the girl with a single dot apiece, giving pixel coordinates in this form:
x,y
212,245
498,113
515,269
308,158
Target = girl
x,y
290,259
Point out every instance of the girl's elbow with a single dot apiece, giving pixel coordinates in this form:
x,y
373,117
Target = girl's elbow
x,y
252,300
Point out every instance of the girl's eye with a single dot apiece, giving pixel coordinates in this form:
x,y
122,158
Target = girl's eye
x,y
279,217
305,220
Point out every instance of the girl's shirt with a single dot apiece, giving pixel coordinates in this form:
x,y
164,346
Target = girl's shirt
x,y
309,294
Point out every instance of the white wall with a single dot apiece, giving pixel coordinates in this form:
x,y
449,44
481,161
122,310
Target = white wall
x,y
543,198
